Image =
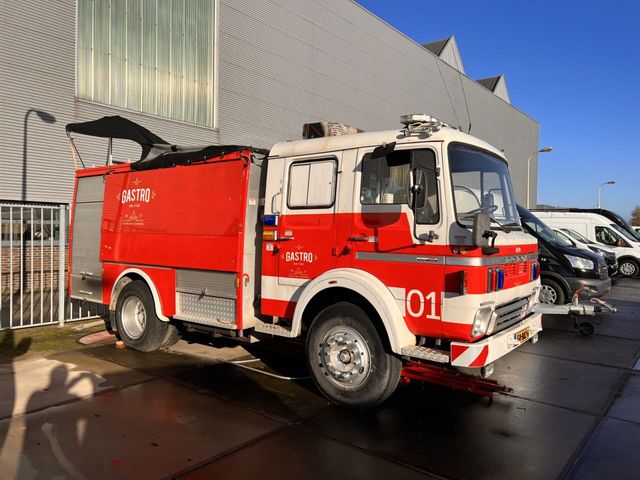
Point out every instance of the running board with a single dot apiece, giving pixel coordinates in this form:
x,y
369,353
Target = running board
x,y
425,353
274,329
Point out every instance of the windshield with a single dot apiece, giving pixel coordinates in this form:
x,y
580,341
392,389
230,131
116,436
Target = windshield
x,y
623,232
541,230
481,183
577,236
566,237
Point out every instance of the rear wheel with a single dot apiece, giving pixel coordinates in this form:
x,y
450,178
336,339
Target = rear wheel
x,y
347,358
138,325
551,292
628,268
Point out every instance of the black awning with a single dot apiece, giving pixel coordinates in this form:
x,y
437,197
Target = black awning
x,y
156,152
119,127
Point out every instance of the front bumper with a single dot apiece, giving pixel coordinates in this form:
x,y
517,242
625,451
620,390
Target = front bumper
x,y
484,352
592,287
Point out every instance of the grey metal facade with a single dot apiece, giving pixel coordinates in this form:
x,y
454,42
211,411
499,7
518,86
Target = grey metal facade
x,y
280,64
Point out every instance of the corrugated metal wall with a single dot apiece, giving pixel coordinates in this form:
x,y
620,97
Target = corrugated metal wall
x,y
281,63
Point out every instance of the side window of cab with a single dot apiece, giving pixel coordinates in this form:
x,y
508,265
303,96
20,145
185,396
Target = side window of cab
x,y
385,181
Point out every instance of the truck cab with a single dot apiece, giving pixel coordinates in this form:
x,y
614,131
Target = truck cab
x,y
388,217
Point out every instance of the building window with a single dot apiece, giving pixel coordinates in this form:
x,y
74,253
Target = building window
x,y
152,56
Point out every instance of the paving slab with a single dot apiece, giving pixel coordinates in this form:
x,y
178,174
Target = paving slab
x,y
150,430
598,349
159,363
612,453
462,436
565,383
627,404
298,454
287,400
36,383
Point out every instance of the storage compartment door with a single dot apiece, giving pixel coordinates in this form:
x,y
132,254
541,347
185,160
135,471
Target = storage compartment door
x,y
86,267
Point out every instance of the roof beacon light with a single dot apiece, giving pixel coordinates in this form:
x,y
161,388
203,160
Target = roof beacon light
x,y
420,123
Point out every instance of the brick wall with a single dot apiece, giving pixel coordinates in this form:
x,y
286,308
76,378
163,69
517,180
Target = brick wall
x,y
39,259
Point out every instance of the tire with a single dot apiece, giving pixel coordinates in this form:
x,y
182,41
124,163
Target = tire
x,y
585,328
347,359
551,292
628,268
172,337
138,325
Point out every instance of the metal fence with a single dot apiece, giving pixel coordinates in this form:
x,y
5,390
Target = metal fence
x,y
33,268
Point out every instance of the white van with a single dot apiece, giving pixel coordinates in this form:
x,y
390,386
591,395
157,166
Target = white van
x,y
601,230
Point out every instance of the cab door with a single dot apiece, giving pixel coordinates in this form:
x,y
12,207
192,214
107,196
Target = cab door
x,y
402,246
307,230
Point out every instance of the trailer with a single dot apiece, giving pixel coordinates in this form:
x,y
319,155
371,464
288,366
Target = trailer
x,y
374,248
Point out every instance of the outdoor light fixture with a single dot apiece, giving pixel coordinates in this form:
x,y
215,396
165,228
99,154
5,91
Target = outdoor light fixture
x,y
45,117
610,182
542,150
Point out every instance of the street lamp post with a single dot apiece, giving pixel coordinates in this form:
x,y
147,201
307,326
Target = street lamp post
x,y
45,117
610,182
542,150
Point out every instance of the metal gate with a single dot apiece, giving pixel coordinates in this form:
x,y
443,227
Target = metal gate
x,y
33,266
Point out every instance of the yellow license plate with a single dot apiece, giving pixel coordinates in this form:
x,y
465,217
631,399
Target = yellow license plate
x,y
523,335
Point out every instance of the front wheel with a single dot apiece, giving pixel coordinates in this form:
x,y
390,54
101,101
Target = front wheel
x,y
347,358
628,268
551,292
138,325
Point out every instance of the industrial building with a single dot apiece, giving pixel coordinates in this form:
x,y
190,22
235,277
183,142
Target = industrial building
x,y
225,71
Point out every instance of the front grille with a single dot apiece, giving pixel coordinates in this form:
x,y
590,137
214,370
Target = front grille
x,y
511,312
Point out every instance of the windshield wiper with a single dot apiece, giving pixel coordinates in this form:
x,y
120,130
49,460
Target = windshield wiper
x,y
501,226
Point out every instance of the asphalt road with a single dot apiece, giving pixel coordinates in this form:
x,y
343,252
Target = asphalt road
x,y
108,413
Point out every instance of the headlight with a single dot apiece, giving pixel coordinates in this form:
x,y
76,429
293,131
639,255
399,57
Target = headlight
x,y
481,321
579,262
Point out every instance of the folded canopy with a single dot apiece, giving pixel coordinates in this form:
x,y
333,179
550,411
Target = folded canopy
x,y
156,152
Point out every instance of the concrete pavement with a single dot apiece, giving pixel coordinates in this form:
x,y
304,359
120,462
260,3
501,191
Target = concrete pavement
x,y
108,413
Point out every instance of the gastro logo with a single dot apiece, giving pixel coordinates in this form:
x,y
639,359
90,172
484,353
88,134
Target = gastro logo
x,y
135,195
306,257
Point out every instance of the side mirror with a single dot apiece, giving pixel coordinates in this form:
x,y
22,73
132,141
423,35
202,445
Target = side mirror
x,y
417,196
483,236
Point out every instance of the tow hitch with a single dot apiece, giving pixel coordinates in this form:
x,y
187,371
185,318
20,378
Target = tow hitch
x,y
580,312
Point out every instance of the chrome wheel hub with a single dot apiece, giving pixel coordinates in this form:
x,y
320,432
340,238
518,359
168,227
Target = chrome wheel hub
x,y
345,357
628,269
548,294
134,317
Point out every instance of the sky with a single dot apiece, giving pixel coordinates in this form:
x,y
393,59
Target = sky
x,y
572,65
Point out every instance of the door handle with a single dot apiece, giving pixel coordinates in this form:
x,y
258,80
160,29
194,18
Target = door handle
x,y
286,239
361,239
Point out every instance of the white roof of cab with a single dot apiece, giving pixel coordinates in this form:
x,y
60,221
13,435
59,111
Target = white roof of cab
x,y
373,139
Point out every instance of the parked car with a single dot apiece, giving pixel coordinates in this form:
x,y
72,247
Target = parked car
x,y
580,241
601,230
565,269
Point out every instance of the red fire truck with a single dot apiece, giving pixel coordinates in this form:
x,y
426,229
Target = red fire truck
x,y
374,247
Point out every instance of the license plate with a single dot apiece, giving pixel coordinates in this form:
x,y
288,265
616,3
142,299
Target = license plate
x,y
523,335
